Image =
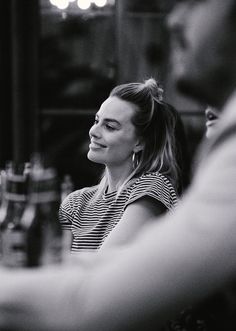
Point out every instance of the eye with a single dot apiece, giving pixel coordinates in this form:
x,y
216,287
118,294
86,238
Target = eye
x,y
110,128
95,121
211,117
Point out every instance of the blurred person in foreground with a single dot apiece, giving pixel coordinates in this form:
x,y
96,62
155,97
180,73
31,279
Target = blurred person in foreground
x,y
136,137
181,260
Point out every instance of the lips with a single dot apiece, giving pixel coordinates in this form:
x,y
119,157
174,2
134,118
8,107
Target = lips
x,y
94,144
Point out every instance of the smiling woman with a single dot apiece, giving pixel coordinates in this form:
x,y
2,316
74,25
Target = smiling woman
x,y
113,138
134,137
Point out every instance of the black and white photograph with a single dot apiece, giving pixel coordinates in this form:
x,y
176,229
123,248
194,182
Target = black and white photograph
x,y
118,165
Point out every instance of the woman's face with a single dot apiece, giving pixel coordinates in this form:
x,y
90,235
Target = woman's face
x,y
113,137
212,116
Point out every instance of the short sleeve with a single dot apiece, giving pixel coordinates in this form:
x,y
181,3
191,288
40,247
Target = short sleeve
x,y
67,210
156,186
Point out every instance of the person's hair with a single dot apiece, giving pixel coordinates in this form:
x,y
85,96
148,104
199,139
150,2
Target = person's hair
x,y
155,123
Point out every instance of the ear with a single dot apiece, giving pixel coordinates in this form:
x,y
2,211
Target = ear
x,y
139,146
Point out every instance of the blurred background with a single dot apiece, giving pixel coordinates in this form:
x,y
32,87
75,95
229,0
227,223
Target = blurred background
x,y
59,60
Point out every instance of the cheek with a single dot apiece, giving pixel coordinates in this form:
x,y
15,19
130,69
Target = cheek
x,y
128,139
122,142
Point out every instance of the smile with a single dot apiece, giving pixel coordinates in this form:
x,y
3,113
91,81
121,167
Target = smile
x,y
94,145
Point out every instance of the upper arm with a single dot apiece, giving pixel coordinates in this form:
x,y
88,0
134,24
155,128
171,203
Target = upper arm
x,y
68,208
66,216
135,217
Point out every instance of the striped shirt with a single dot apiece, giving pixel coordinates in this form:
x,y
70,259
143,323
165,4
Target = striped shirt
x,y
91,220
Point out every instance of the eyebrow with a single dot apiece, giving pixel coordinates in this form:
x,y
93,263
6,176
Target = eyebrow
x,y
109,120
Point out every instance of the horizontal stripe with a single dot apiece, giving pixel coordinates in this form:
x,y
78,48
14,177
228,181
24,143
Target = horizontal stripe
x,y
91,223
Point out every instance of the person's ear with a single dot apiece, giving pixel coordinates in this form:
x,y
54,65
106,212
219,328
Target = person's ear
x,y
139,146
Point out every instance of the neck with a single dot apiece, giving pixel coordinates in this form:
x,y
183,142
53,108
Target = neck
x,y
116,176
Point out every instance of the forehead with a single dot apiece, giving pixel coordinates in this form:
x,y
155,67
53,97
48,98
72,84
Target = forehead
x,y
115,108
196,23
211,24
208,26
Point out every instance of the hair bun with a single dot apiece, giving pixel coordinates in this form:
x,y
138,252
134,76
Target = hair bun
x,y
155,88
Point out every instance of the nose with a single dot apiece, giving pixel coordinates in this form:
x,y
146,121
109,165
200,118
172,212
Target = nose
x,y
95,131
177,17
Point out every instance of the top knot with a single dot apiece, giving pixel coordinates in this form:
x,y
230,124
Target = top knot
x,y
155,88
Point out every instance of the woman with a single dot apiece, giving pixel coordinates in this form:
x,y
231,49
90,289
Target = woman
x,y
134,137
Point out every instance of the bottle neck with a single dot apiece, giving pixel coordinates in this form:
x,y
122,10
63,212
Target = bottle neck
x,y
43,190
15,189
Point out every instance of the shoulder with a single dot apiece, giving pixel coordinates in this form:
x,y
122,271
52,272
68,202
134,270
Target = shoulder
x,y
73,202
77,196
153,180
154,185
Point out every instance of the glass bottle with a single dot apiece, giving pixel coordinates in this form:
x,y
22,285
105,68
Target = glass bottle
x,y
40,218
66,186
3,206
13,204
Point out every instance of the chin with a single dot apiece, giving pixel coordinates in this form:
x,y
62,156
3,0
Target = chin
x,y
210,132
206,85
91,157
201,93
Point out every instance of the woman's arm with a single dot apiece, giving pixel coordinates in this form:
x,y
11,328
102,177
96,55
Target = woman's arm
x,y
136,216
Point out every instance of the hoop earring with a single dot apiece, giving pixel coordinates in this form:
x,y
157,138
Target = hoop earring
x,y
135,160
